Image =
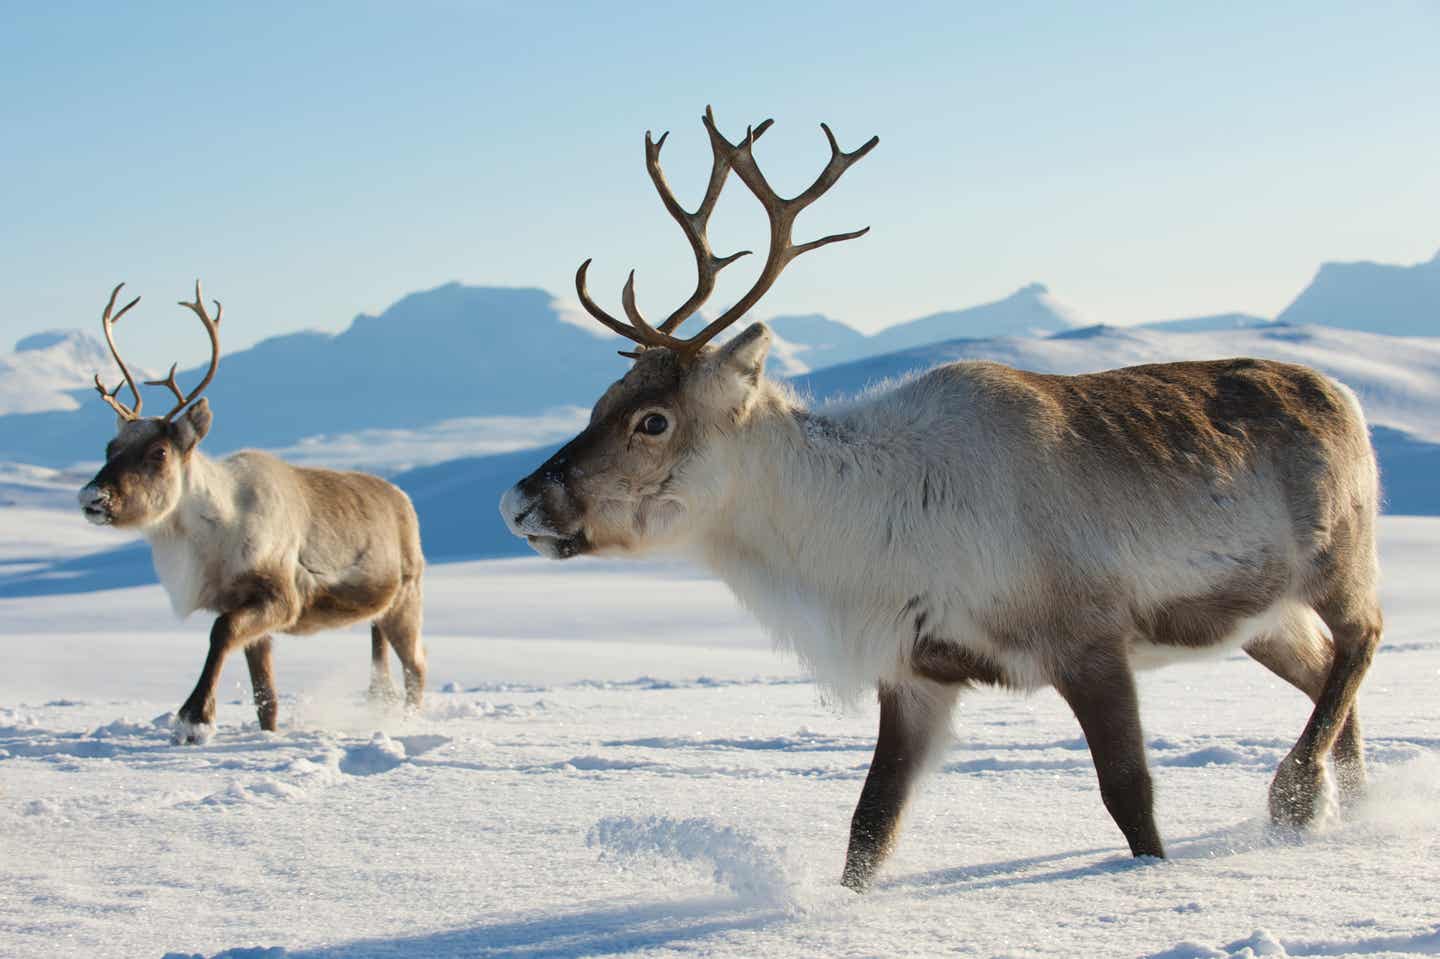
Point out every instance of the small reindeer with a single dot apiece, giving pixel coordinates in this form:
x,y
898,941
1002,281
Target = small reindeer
x,y
269,547
983,525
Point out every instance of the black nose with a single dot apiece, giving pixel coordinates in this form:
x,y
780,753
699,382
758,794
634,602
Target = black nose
x,y
520,517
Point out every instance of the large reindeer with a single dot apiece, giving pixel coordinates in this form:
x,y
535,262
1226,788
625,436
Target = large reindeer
x,y
984,525
269,547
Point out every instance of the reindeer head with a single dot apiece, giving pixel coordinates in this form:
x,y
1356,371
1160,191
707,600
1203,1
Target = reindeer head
x,y
654,452
144,472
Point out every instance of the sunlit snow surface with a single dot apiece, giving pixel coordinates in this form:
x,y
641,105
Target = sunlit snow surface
x,y
611,761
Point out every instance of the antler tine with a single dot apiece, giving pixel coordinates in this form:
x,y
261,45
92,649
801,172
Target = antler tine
x,y
594,309
782,214
169,381
650,335
212,327
107,323
109,396
695,225
840,161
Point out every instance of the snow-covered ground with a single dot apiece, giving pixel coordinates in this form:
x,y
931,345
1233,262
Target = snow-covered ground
x,y
611,761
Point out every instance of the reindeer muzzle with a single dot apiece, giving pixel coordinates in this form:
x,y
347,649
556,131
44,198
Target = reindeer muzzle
x,y
528,516
95,504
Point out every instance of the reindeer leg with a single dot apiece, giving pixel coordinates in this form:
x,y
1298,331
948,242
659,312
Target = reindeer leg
x,y
381,689
912,724
401,627
261,608
1102,696
195,722
1299,784
262,681
1302,656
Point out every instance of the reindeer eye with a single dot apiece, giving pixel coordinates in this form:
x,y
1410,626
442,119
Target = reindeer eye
x,y
653,425
157,454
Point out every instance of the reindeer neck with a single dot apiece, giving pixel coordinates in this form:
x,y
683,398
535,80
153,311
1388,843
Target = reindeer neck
x,y
206,496
802,486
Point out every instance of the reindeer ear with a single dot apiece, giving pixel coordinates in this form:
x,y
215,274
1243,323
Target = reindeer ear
x,y
192,426
746,353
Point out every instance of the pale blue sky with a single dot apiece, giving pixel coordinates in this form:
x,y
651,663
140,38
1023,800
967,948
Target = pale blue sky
x,y
1145,161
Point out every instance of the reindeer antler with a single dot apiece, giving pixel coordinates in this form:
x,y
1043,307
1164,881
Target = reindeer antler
x,y
781,213
107,322
213,328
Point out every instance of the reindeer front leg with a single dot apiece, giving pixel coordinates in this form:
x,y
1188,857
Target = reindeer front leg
x,y
263,607
913,719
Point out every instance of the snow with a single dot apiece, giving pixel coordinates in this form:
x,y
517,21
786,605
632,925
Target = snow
x,y
612,761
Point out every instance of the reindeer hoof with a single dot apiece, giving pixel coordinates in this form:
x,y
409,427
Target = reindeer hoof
x,y
1300,795
187,733
858,877
382,694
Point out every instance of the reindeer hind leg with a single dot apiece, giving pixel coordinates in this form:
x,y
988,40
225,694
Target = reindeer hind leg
x,y
401,627
1300,653
1351,610
381,689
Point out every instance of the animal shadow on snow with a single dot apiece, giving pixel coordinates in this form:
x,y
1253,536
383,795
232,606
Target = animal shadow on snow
x,y
594,932
1228,840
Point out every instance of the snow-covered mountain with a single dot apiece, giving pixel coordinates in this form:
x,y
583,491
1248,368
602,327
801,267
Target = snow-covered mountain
x,y
449,353
1029,311
47,369
810,342
1380,297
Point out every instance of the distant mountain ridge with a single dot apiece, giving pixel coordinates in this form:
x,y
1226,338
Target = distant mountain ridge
x,y
457,352
813,341
1030,311
1381,297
